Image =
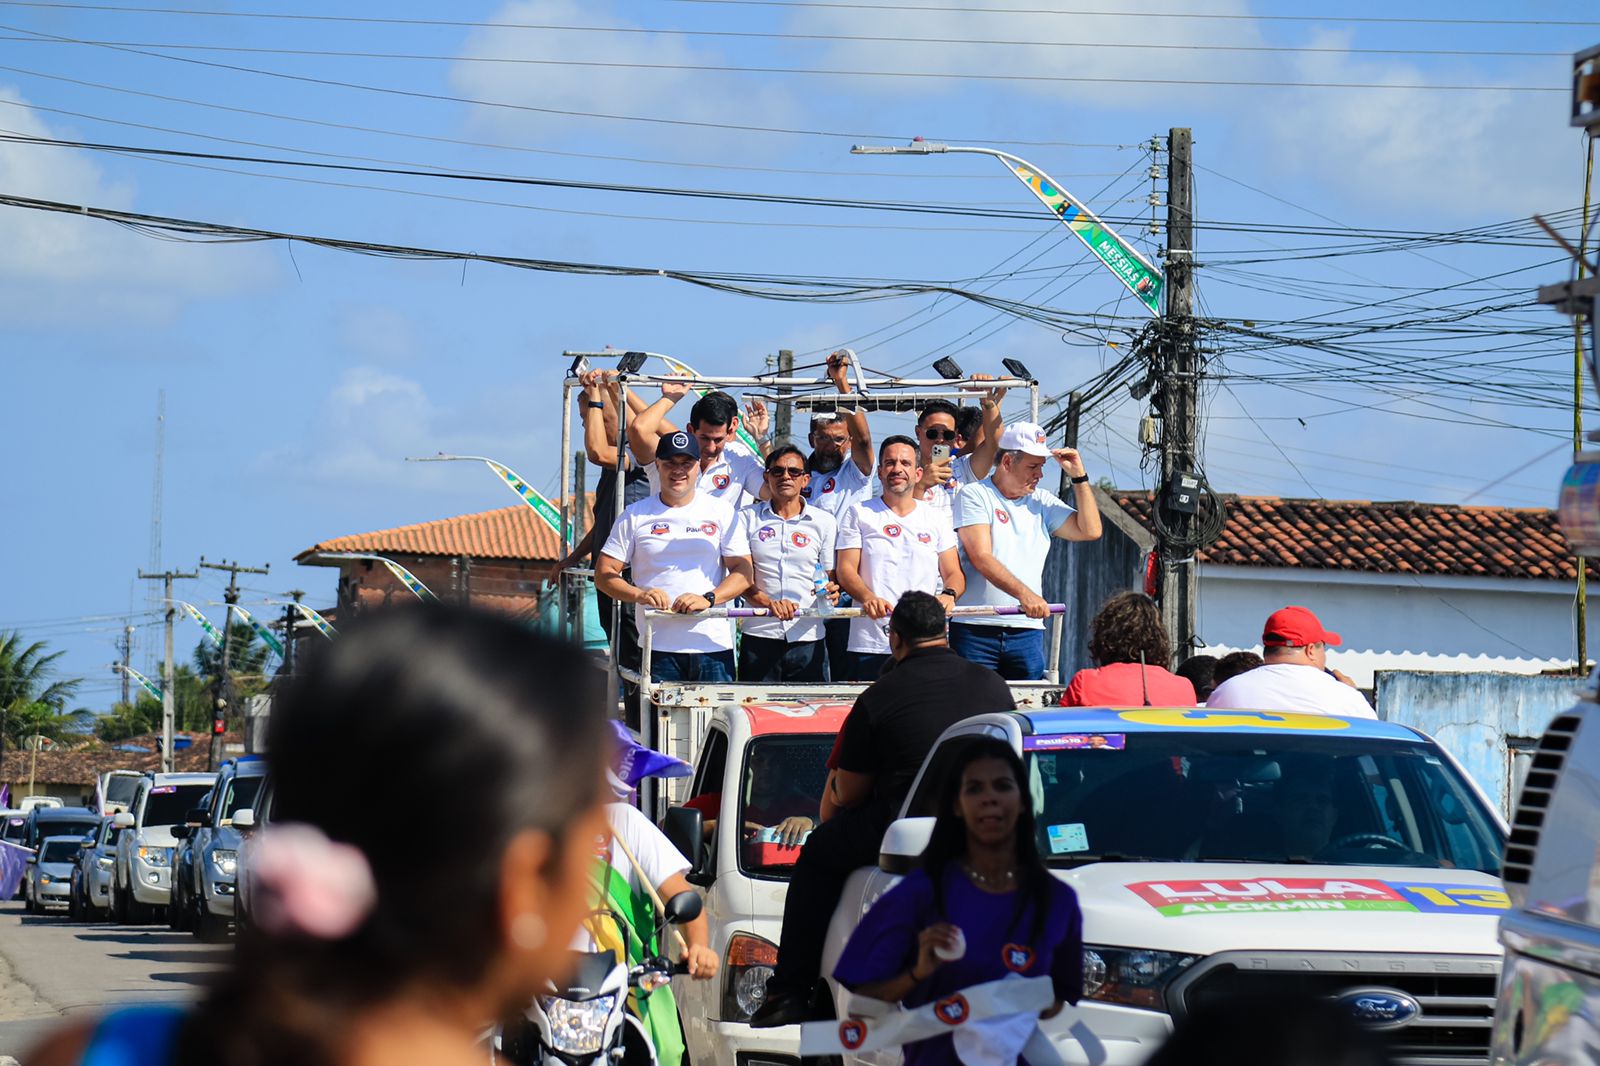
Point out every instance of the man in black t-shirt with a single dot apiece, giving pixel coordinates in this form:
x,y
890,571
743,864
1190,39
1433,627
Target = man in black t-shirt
x,y
885,739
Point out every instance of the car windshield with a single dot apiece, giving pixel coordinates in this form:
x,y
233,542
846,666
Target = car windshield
x,y
167,804
60,851
241,794
1182,797
783,778
54,828
120,788
15,829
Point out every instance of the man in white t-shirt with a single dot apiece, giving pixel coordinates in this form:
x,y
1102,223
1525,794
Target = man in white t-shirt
x,y
1295,674
791,550
688,553
1005,524
727,469
943,475
889,546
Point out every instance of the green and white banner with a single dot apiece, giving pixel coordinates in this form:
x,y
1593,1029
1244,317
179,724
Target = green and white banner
x,y
323,625
205,624
743,435
144,682
409,580
1142,277
531,496
266,635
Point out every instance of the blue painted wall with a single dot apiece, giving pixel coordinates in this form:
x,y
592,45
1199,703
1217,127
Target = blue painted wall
x,y
1472,715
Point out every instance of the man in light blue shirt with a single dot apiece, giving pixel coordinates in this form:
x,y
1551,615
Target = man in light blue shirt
x,y
1005,523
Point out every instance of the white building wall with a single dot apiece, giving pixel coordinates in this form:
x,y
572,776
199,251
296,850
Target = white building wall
x,y
1395,622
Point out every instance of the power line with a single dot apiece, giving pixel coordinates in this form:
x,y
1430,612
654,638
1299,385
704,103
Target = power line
x,y
1139,14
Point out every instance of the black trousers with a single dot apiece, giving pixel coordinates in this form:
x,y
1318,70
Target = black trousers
x,y
629,654
835,850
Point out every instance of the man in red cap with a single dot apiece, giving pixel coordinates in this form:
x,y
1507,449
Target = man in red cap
x,y
1295,674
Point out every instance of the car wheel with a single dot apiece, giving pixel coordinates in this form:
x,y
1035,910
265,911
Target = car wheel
x,y
175,909
210,928
119,907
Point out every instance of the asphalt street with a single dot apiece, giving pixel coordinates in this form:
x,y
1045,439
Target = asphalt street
x,y
52,968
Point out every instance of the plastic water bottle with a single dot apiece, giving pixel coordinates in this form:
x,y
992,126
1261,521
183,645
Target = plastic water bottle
x,y
819,579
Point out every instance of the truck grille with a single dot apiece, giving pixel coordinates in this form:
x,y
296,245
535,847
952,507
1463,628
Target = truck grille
x,y
1526,825
1457,994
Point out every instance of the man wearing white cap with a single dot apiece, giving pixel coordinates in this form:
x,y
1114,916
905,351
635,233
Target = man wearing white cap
x,y
1004,524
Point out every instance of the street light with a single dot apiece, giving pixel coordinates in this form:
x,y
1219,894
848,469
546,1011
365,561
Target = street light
x,y
525,492
1142,277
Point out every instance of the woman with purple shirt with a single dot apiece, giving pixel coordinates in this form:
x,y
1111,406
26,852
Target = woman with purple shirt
x,y
981,907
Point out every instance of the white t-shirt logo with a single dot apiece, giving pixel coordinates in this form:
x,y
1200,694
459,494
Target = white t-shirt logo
x,y
891,530
800,540
1001,515
709,528
720,481
829,486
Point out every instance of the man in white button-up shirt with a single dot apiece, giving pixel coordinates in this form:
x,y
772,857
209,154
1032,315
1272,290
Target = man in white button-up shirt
x,y
791,546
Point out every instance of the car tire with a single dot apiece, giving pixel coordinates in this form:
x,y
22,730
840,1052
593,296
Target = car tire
x,y
209,928
175,910
119,907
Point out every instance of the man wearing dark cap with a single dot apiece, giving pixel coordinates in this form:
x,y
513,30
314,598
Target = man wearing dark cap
x,y
1295,674
884,742
688,553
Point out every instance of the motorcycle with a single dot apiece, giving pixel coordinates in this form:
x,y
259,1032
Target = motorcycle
x,y
585,1021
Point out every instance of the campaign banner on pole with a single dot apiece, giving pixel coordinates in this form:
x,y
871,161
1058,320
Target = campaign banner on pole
x,y
531,496
1142,277
204,623
266,635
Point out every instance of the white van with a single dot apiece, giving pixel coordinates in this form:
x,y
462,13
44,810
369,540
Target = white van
x,y
1548,1010
1170,825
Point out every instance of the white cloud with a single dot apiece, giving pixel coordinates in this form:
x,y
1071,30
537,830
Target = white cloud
x,y
693,96
57,266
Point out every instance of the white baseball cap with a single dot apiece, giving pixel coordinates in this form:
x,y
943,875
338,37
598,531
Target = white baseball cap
x,y
1024,437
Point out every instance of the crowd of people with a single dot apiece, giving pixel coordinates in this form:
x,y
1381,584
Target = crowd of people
x,y
954,508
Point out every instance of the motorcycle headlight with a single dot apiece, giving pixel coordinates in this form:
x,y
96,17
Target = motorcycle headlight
x,y
578,1028
226,862
1135,977
744,990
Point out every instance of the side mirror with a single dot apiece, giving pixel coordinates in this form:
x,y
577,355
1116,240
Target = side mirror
x,y
86,844
244,818
199,816
904,844
685,828
33,858
684,908
181,831
122,820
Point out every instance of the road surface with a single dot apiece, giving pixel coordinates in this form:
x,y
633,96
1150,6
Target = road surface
x,y
51,967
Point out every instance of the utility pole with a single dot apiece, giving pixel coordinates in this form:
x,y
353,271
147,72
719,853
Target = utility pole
x,y
125,646
223,696
291,620
1178,495
169,684
783,419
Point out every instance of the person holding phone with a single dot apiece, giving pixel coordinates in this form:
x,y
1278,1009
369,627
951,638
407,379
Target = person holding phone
x,y
943,472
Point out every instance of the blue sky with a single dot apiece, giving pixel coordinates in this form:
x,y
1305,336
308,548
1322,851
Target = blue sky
x,y
298,379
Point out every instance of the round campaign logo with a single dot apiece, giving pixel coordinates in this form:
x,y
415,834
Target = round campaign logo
x,y
852,1034
1001,516
721,481
800,540
952,1010
1017,957
766,533
709,528
891,530
829,486
680,440
658,528
924,538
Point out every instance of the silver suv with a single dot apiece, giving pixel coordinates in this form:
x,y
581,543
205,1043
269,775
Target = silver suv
x,y
212,878
142,881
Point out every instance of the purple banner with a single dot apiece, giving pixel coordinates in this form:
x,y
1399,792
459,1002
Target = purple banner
x,y
13,863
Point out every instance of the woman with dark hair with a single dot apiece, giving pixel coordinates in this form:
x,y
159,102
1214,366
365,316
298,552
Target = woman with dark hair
x,y
981,907
438,777
1129,642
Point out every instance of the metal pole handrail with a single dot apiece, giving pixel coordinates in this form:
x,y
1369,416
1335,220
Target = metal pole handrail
x,y
837,612
953,384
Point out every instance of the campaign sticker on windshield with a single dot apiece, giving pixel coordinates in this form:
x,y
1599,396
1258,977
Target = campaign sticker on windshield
x,y
1068,838
1076,742
1178,899
161,790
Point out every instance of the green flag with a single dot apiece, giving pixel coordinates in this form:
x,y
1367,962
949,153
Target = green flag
x,y
261,631
658,1010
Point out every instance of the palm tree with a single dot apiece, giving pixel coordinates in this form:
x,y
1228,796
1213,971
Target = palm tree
x,y
32,699
247,657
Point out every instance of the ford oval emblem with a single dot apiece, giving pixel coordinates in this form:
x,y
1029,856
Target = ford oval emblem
x,y
1380,1008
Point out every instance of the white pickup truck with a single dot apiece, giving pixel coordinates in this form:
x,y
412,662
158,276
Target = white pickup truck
x,y
1217,852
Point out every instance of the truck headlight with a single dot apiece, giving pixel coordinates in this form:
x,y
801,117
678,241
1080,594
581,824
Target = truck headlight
x,y
106,862
578,1027
226,862
750,962
156,856
1134,977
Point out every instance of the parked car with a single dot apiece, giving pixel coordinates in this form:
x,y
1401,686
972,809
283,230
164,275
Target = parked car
x,y
43,822
91,876
759,763
28,803
1548,1008
142,881
1222,853
180,910
247,821
13,826
49,879
210,880
116,788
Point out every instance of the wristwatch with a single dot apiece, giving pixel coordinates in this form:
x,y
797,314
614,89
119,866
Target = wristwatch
x,y
1083,479
949,592
711,597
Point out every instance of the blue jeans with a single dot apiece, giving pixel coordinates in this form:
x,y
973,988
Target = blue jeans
x,y
866,667
764,660
699,666
1014,653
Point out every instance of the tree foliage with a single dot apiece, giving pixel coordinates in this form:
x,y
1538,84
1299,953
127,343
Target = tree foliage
x,y
33,699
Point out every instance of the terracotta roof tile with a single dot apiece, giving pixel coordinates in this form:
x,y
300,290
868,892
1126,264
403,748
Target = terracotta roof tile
x,y
1391,537
81,766
513,533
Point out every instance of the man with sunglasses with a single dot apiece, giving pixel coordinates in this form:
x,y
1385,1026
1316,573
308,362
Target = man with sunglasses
x,y
791,547
942,477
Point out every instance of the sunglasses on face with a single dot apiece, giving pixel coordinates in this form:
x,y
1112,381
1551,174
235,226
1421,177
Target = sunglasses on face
x,y
939,434
786,471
